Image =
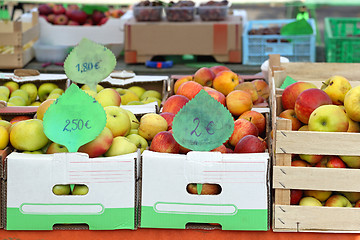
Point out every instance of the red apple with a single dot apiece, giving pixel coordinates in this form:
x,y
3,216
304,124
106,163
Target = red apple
x,y
262,88
258,119
249,144
238,102
58,9
169,117
220,148
229,150
335,162
89,22
218,96
51,18
174,103
19,118
204,76
308,101
45,9
260,101
78,15
164,142
103,21
61,19
242,127
219,68
311,159
189,89
206,189
338,200
295,196
99,145
291,93
290,114
299,163
70,8
96,16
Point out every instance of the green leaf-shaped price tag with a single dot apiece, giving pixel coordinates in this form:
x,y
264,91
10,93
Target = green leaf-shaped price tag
x,y
288,81
74,119
89,63
203,123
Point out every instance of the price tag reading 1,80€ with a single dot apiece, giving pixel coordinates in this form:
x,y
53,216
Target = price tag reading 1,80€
x,y
89,63
74,119
203,123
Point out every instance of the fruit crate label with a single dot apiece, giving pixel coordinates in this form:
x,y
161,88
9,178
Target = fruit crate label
x,y
279,48
74,119
89,63
203,123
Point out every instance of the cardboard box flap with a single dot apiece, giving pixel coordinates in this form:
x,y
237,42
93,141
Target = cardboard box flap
x,y
142,109
41,77
135,79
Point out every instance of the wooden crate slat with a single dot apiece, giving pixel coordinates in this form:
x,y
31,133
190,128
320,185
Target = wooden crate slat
x,y
319,143
310,178
299,218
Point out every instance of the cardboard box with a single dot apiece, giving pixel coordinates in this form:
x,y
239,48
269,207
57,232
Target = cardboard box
x,y
296,218
222,40
18,37
3,155
31,204
241,205
111,34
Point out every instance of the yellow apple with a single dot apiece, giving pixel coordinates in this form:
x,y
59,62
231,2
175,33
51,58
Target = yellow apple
x,y
31,89
43,107
120,146
118,121
5,124
90,92
4,137
36,103
322,196
21,93
12,86
127,96
150,100
98,87
250,88
133,119
16,101
137,90
225,82
352,103
328,118
151,124
309,201
45,89
4,91
28,135
336,87
138,140
150,93
108,97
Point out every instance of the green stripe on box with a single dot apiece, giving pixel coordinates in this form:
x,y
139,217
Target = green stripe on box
x,y
109,219
244,219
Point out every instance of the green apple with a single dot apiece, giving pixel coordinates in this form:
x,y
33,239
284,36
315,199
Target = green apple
x,y
352,196
5,124
57,90
53,96
151,93
56,148
28,135
98,87
135,103
120,146
4,91
133,131
150,100
133,119
3,97
36,103
127,96
31,89
21,93
309,201
351,161
338,201
16,101
61,189
33,152
137,90
151,124
139,141
322,196
328,118
12,86
80,189
108,97
118,121
45,89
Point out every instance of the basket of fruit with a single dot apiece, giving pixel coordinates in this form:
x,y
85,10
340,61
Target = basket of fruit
x,y
213,10
151,11
181,11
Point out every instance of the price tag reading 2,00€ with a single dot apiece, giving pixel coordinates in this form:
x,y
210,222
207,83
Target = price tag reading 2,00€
x,y
74,119
89,63
203,123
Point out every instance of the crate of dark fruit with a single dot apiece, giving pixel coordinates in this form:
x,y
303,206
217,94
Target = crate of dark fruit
x,y
213,10
181,11
148,11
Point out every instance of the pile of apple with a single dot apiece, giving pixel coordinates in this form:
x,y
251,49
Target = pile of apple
x,y
28,94
134,95
332,108
229,89
72,15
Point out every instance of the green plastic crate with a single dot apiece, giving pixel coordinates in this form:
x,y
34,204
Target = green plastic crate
x,y
342,39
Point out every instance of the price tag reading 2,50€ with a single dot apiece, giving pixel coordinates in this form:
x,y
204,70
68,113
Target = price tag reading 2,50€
x,y
89,63
74,119
203,123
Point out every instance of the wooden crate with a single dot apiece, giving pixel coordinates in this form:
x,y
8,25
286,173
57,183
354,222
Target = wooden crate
x,y
293,218
19,36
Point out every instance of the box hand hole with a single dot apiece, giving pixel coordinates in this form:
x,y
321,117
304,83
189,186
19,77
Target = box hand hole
x,y
203,188
70,189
